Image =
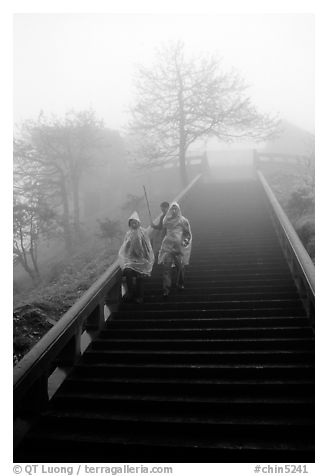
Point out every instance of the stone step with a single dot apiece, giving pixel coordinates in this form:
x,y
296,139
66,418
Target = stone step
x,y
198,357
289,321
183,387
172,307
184,406
204,371
209,333
235,311
98,447
108,342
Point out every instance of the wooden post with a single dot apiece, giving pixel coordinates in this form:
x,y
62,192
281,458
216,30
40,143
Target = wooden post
x,y
96,319
72,350
114,297
35,399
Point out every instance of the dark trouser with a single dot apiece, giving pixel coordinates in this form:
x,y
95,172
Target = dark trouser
x,y
137,290
169,260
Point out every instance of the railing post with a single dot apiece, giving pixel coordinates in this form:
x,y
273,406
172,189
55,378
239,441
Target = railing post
x,y
96,319
114,297
72,350
35,399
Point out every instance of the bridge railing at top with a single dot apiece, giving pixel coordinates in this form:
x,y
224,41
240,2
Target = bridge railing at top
x,y
63,345
261,157
298,259
198,161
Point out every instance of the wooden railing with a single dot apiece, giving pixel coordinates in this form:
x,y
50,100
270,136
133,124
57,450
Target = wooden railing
x,y
261,157
198,161
58,351
299,261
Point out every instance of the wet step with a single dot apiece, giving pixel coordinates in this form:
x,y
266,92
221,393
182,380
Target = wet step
x,y
235,311
233,388
104,447
199,357
208,332
226,282
240,243
236,261
156,291
209,322
196,371
235,253
193,279
185,406
106,341
231,271
255,265
194,425
187,295
168,305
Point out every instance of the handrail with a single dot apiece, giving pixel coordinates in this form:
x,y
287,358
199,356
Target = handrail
x,y
61,346
188,188
56,338
297,257
191,160
258,156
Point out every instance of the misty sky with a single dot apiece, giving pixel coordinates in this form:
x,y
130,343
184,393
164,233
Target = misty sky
x,y
77,61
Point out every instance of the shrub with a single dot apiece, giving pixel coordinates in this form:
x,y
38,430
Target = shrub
x,y
295,192
305,228
301,201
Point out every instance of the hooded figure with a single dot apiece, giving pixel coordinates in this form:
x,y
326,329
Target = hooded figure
x,y
135,257
158,231
176,247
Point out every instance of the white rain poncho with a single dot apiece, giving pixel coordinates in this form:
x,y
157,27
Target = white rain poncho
x,y
156,236
178,236
136,252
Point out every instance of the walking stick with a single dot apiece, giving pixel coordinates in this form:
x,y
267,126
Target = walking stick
x,y
147,203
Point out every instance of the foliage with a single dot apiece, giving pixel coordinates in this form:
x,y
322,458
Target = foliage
x,y
295,191
30,324
301,201
36,310
180,100
32,217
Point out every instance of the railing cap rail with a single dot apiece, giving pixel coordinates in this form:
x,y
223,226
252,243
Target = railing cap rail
x,y
67,321
294,240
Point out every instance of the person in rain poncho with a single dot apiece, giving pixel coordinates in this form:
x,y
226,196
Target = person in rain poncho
x,y
176,247
136,258
158,231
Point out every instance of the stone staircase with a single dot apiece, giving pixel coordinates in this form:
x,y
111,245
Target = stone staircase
x,y
221,372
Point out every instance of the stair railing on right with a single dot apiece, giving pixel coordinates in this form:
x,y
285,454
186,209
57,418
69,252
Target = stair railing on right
x,y
298,259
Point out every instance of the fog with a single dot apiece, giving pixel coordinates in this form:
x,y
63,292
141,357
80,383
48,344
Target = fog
x,y
80,62
77,61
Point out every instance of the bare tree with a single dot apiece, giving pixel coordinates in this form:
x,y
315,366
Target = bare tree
x,y
56,153
32,217
180,100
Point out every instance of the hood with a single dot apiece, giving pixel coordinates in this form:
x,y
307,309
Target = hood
x,y
178,207
134,216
